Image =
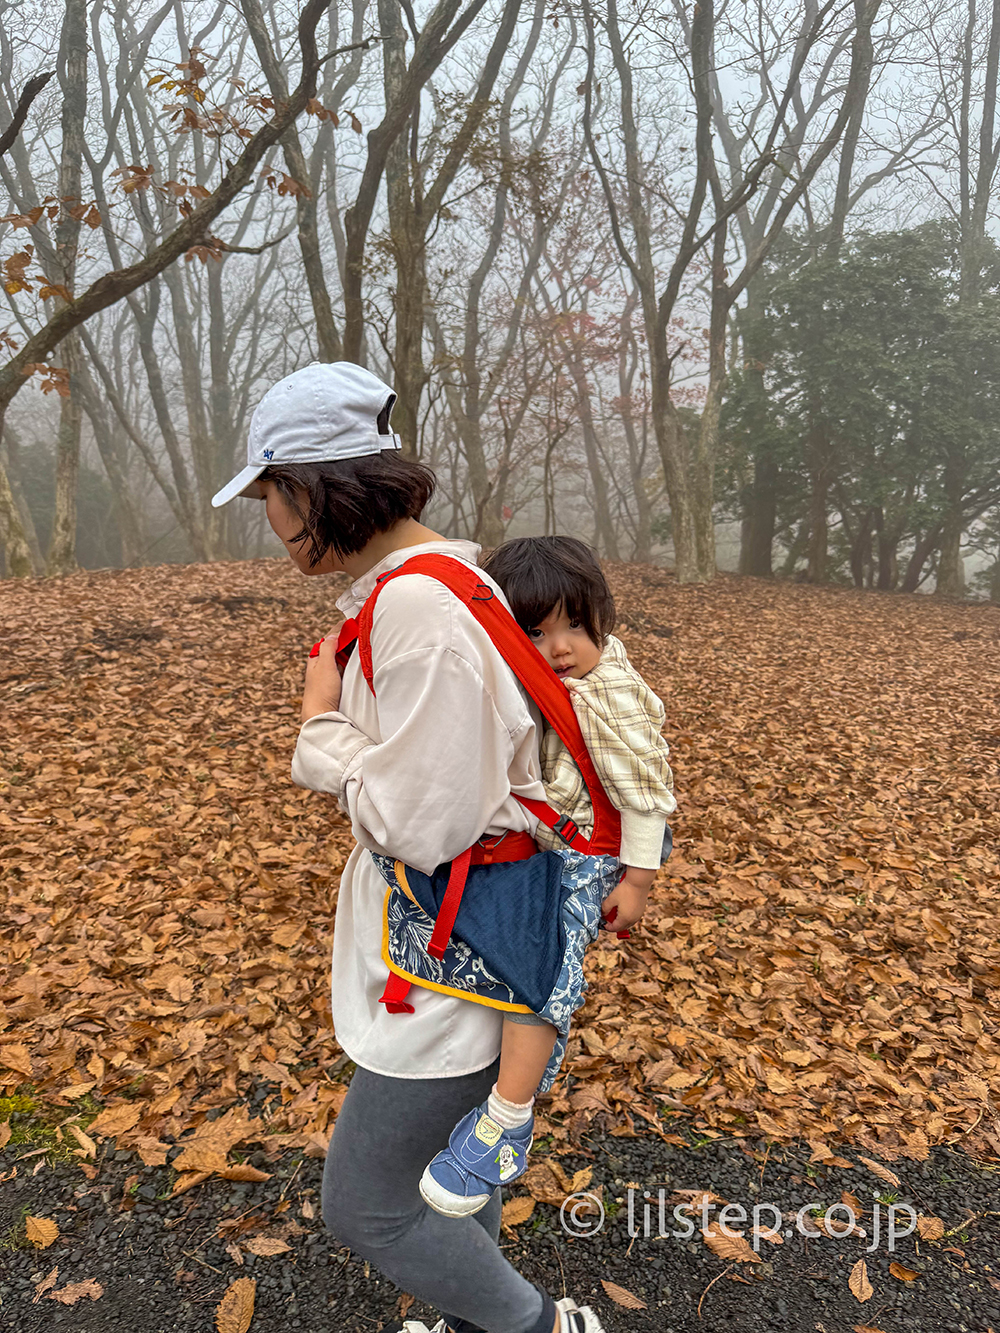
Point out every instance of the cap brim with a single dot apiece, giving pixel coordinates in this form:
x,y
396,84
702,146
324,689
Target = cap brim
x,y
239,486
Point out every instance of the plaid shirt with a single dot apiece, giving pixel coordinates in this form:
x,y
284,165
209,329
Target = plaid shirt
x,y
620,718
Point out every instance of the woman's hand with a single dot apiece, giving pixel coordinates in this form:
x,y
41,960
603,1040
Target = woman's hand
x,y
623,907
321,693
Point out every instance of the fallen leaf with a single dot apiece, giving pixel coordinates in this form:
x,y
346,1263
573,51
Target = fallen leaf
x,y
235,1253
883,1172
516,1211
729,1245
265,1246
188,1181
858,1282
84,1140
115,1120
235,1310
405,1301
867,1328
76,1292
42,1231
581,1179
46,1284
4,1133
695,1200
903,1273
16,1056
622,1297
244,1171
202,1158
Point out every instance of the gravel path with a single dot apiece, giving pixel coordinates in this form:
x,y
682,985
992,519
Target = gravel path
x,y
163,1263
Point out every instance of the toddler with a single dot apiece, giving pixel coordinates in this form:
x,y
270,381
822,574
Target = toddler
x,y
559,596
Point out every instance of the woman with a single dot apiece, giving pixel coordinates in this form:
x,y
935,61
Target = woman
x,y
423,766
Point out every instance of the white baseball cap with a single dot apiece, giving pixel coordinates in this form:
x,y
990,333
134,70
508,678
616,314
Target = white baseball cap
x,y
319,414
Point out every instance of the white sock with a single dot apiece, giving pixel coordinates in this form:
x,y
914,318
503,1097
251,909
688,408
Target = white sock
x,y
509,1115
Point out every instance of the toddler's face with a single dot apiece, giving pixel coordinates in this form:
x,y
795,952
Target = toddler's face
x,y
565,644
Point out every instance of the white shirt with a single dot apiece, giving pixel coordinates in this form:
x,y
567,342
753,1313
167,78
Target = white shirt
x,y
423,767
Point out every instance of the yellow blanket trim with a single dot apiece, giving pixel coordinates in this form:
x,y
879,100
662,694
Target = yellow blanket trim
x,y
400,870
421,981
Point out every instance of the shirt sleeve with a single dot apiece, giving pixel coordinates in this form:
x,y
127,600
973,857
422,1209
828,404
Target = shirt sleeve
x,y
621,727
434,782
642,838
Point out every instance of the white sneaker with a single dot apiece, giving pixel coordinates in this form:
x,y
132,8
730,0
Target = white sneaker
x,y
415,1326
575,1318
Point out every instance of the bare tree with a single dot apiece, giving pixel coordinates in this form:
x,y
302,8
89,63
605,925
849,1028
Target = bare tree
x,y
688,456
114,286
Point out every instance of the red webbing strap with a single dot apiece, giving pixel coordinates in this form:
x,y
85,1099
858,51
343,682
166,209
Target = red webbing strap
x,y
346,640
545,814
517,650
394,995
448,911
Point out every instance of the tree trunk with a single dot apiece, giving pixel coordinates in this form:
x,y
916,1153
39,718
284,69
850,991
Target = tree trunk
x,y
434,42
706,441
951,572
757,547
671,440
17,553
861,548
128,522
760,497
327,338
145,316
605,528
888,561
12,460
62,543
914,566
404,197
202,452
73,81
819,483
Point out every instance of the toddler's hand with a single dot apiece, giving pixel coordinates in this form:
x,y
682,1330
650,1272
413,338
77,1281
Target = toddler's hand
x,y
321,693
624,906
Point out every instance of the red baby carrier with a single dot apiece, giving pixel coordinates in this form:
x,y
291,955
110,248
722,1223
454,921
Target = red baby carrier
x,y
552,699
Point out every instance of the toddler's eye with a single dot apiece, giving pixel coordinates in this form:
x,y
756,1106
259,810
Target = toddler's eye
x,y
575,624
534,633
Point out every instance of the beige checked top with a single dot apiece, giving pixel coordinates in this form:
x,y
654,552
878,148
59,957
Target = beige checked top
x,y
620,718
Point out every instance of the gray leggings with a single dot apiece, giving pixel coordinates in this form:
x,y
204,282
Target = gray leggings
x,y
387,1131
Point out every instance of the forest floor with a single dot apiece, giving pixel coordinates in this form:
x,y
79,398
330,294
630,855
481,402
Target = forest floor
x,y
812,991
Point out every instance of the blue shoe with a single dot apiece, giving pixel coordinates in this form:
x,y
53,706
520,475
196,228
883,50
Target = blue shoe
x,y
480,1156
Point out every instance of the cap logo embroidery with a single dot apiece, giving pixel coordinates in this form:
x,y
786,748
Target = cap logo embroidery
x,y
268,453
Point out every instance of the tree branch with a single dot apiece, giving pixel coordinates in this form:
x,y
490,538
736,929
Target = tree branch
x,y
31,90
112,287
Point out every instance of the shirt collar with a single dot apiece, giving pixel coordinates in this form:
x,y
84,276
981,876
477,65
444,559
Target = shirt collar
x,y
351,602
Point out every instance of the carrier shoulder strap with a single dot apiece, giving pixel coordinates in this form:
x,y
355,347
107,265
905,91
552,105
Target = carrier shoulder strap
x,y
523,658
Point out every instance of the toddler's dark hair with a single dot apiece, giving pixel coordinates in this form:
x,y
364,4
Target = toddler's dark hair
x,y
350,500
536,574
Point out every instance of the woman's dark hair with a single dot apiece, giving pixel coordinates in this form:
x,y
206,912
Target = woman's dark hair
x,y
350,500
538,574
